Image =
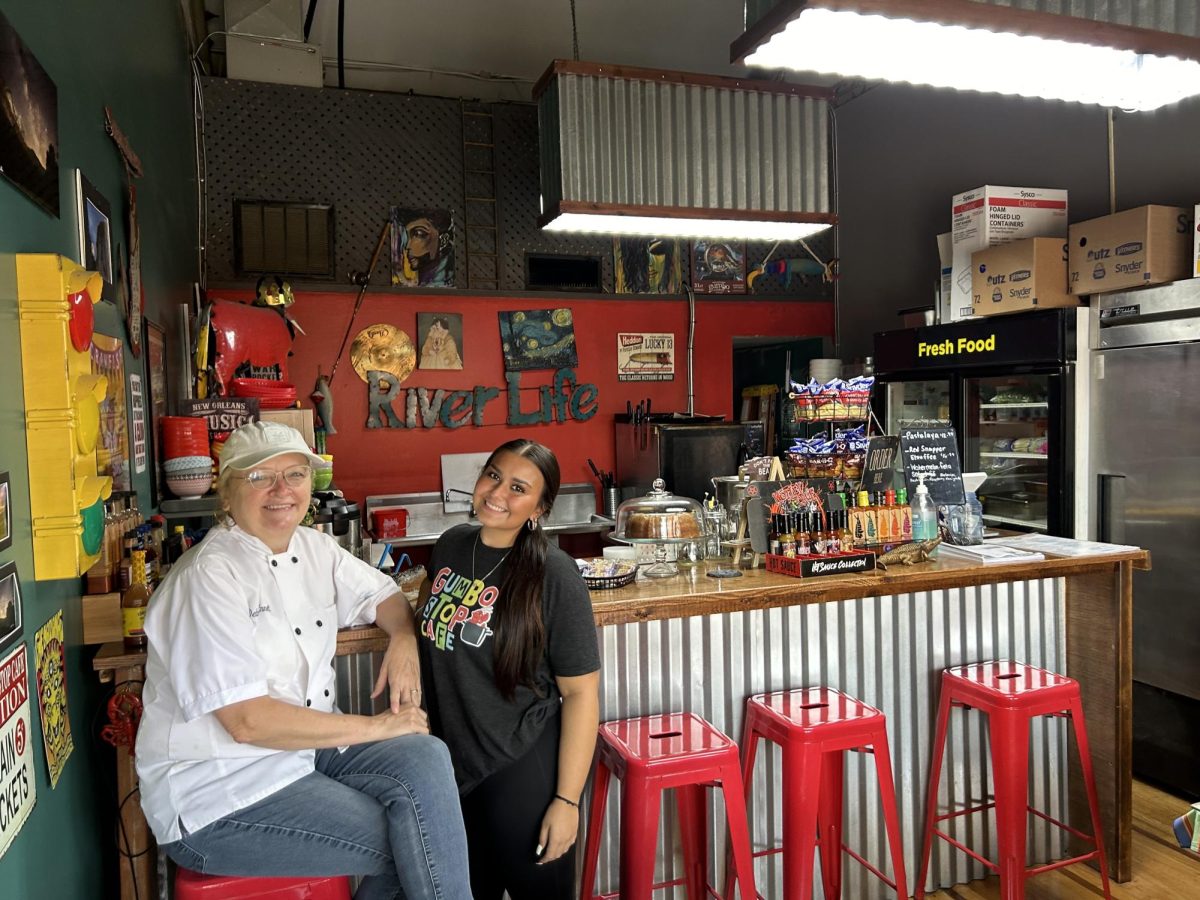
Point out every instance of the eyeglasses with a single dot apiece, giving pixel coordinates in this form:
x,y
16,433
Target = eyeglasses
x,y
264,479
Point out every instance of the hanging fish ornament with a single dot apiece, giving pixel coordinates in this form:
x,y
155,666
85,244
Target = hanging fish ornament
x,y
322,398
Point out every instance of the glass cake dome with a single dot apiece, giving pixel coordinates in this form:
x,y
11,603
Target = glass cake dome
x,y
661,518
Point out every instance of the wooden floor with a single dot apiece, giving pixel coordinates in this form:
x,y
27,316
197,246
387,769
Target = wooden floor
x,y
1161,871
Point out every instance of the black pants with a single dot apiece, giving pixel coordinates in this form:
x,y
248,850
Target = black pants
x,y
503,816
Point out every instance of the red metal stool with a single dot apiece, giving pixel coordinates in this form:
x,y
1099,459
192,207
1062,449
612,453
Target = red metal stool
x,y
649,755
815,727
194,886
1011,694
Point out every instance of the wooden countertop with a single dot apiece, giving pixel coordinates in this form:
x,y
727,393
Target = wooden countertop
x,y
692,593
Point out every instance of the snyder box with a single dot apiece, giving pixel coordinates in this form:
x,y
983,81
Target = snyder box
x,y
992,215
1132,248
1023,275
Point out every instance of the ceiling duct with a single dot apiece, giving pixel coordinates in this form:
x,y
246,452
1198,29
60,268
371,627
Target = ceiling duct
x,y
1136,56
282,19
644,151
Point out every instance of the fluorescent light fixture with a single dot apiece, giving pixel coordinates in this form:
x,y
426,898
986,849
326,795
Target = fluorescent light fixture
x,y
977,46
652,152
659,225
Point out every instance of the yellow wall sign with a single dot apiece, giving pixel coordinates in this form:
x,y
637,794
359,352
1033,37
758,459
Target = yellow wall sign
x,y
961,346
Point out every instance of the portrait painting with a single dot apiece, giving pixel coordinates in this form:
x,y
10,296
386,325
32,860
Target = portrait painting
x,y
95,235
28,122
538,339
422,247
647,266
5,513
439,335
10,604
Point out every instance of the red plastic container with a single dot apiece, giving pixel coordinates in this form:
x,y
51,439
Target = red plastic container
x,y
389,523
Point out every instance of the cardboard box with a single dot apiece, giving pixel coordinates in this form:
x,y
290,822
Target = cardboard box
x,y
945,243
102,618
1023,275
993,215
1133,248
300,419
1196,241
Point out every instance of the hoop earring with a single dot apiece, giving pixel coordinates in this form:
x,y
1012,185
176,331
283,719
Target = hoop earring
x,y
532,523
471,512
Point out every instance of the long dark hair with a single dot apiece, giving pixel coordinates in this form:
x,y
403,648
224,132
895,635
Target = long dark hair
x,y
520,630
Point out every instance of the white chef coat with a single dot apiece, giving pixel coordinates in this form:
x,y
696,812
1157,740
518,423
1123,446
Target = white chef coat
x,y
233,621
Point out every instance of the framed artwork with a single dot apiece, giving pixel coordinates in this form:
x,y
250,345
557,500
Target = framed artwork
x,y
95,230
422,247
5,513
29,147
112,450
156,377
439,336
719,267
538,339
11,615
647,265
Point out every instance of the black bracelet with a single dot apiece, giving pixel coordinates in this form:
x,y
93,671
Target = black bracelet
x,y
566,801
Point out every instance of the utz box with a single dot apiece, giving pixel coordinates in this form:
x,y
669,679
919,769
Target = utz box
x,y
993,215
1132,248
1023,275
1196,239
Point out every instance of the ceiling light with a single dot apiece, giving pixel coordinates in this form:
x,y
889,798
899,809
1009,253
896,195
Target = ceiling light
x,y
977,45
658,153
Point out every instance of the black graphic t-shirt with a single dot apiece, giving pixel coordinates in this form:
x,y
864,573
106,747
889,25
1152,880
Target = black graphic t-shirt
x,y
484,731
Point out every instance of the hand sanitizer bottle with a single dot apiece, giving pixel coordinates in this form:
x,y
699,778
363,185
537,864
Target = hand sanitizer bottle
x,y
924,513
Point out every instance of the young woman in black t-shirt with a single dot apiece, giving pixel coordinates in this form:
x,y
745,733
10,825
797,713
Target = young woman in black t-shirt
x,y
510,668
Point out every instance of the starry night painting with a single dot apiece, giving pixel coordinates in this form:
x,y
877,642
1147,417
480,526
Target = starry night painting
x,y
538,339
28,121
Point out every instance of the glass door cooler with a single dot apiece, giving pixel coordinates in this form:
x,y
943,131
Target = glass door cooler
x,y
1007,436
1007,385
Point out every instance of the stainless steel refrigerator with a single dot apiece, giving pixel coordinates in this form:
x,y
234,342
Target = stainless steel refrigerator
x,y
1145,479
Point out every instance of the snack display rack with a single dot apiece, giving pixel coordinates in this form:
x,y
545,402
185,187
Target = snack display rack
x,y
825,413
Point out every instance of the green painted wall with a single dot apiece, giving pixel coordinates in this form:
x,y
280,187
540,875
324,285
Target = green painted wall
x,y
129,55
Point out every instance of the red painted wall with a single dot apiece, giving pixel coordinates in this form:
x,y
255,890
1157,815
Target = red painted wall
x,y
395,460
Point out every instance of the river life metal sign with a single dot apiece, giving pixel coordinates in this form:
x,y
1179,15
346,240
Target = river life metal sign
x,y
391,405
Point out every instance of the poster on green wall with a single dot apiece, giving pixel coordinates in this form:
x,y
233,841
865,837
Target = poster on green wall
x,y
16,747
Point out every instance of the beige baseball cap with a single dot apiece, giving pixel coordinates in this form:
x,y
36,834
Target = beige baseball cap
x,y
256,442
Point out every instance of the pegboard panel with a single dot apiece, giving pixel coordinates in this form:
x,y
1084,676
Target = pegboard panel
x,y
518,191
365,152
361,151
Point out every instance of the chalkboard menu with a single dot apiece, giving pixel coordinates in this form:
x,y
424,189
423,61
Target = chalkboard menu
x,y
932,451
880,464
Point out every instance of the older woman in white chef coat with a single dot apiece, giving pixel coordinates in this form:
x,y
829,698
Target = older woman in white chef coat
x,y
246,766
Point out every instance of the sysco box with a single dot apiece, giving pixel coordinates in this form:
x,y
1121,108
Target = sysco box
x,y
992,215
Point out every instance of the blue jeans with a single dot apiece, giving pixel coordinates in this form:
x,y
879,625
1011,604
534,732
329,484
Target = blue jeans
x,y
387,810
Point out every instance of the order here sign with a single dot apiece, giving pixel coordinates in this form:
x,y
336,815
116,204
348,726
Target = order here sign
x,y
17,782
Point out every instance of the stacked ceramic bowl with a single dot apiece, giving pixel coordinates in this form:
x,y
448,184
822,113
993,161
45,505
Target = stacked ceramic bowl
x,y
323,473
188,476
823,371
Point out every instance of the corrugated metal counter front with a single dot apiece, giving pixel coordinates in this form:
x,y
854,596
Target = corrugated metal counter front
x,y
693,643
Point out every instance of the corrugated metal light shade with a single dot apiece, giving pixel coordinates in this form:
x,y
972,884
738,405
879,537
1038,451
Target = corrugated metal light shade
x,y
1087,51
645,151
